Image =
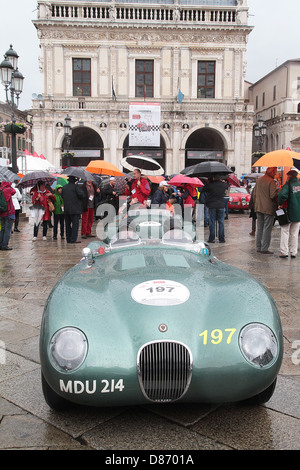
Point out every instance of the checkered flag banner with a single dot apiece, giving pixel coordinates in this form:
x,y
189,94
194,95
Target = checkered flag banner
x,y
135,127
144,124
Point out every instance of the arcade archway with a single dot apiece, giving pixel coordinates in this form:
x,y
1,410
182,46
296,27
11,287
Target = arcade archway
x,y
86,145
204,144
158,153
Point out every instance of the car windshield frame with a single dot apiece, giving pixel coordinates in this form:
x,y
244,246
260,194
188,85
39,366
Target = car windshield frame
x,y
240,190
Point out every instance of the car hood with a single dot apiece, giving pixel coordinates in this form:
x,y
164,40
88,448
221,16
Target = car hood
x,y
106,296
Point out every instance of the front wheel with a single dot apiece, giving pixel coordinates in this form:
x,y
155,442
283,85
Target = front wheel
x,y
55,401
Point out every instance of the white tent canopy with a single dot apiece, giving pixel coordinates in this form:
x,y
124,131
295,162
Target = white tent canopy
x,y
30,163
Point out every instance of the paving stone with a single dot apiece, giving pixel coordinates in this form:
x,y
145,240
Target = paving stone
x,y
147,432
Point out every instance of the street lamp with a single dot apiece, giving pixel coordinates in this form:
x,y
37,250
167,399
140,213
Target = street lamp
x,y
68,134
12,80
260,132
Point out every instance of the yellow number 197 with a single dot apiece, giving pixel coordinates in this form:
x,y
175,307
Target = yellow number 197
x,y
217,336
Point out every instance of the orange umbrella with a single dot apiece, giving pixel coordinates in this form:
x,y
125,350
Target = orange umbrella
x,y
154,179
100,167
278,158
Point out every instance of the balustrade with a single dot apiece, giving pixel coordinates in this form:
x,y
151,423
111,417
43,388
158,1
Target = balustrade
x,y
122,105
161,13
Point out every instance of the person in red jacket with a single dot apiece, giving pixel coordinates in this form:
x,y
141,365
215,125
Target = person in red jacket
x,y
140,188
7,218
41,196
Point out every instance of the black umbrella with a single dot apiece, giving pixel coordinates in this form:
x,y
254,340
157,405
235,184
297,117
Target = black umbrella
x,y
207,169
7,175
32,178
147,165
79,173
186,170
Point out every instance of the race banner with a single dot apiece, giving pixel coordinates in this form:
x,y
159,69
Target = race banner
x,y
144,124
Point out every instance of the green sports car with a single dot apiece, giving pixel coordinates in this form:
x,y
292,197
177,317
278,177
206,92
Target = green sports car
x,y
158,320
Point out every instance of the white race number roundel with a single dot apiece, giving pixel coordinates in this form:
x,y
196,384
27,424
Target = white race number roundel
x,y
160,292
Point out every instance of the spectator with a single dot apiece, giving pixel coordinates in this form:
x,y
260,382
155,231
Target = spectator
x,y
16,198
41,196
265,205
215,193
226,200
7,217
90,190
161,195
289,196
109,195
252,216
73,196
186,193
59,217
140,188
202,200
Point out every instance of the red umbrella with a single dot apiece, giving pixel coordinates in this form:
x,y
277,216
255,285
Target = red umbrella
x,y
232,179
179,180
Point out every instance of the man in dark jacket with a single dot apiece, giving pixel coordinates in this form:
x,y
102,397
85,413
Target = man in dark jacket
x,y
73,196
7,217
215,192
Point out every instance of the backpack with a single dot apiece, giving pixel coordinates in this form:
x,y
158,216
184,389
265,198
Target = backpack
x,y
3,203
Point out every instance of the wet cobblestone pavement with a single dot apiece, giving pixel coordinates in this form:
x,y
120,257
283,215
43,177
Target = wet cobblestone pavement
x,y
27,275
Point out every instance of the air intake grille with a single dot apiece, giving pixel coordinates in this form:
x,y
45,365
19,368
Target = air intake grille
x,y
165,370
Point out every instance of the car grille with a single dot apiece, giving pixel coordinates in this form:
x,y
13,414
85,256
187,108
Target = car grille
x,y
164,370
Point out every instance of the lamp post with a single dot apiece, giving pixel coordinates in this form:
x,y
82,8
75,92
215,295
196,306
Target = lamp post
x,y
12,80
260,132
68,134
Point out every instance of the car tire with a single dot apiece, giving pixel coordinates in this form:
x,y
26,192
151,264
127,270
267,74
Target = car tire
x,y
261,397
55,401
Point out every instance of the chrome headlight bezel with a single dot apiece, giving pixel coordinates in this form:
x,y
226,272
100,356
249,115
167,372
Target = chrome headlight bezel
x,y
68,349
258,345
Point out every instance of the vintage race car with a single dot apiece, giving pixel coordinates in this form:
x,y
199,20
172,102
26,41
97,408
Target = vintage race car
x,y
154,321
239,198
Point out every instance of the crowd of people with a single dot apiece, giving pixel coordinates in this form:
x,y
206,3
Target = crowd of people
x,y
67,205
267,199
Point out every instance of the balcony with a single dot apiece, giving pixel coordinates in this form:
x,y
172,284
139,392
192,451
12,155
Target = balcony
x,y
119,12
106,105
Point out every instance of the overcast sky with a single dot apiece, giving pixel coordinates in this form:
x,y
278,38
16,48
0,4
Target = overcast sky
x,y
275,39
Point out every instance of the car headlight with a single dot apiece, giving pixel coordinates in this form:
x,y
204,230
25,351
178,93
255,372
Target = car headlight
x,y
258,344
68,348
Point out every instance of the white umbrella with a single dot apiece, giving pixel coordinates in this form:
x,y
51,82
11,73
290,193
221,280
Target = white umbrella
x,y
147,165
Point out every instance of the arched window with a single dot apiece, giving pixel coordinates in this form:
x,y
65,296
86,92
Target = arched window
x,y
298,109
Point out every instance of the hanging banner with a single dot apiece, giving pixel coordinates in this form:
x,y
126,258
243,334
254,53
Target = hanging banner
x,y
144,124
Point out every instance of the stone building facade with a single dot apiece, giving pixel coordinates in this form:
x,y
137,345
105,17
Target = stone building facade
x,y
97,57
276,98
23,141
